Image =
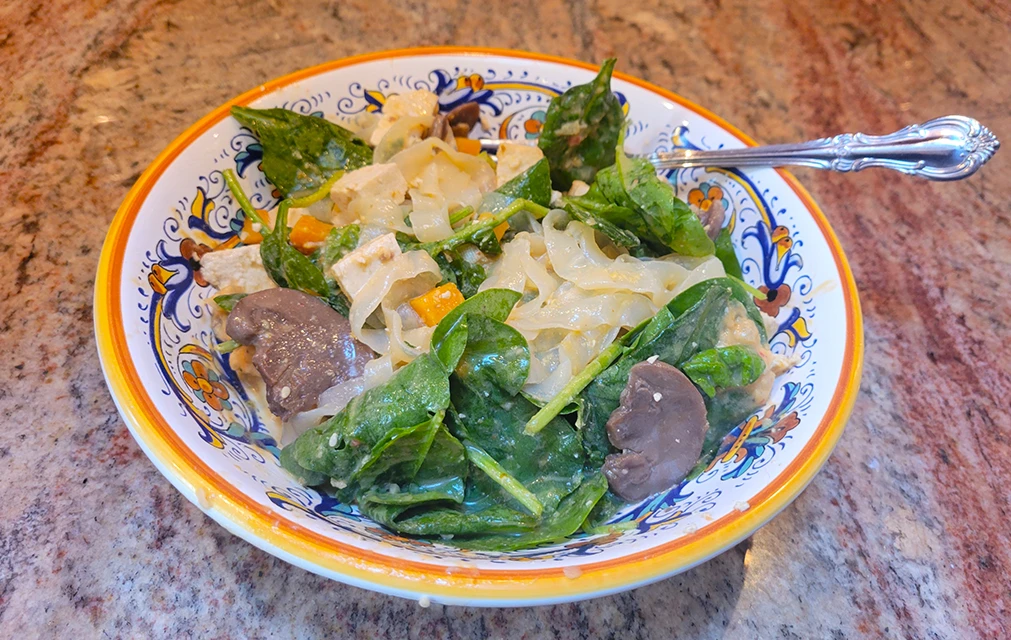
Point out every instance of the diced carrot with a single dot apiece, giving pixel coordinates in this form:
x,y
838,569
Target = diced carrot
x,y
309,233
466,145
499,230
434,305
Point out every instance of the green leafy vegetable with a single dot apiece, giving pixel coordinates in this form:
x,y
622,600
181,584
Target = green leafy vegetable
x,y
581,130
726,254
501,477
738,292
723,367
300,152
466,275
594,209
340,447
572,511
491,415
727,409
534,185
449,340
662,221
227,302
286,265
398,456
240,197
440,478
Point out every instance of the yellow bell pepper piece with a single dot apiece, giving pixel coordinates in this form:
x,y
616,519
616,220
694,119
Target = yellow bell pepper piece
x,y
500,230
466,145
309,233
434,305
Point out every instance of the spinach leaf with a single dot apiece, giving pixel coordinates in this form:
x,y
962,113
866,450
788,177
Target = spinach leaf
x,y
466,275
228,301
489,413
726,254
286,265
673,337
738,292
339,242
727,409
448,522
342,445
723,368
398,456
572,511
663,221
450,336
534,185
440,478
301,152
581,130
594,209
480,459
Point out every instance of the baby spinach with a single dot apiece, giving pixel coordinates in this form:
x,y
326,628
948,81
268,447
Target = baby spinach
x,y
594,209
398,456
489,413
286,265
228,301
723,368
480,459
340,447
561,523
534,185
466,275
724,411
738,292
450,336
581,130
440,478
301,152
662,221
726,254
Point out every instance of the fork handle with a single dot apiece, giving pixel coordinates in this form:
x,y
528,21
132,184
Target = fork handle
x,y
948,148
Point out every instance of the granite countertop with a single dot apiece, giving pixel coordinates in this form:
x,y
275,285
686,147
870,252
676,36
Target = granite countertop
x,y
905,533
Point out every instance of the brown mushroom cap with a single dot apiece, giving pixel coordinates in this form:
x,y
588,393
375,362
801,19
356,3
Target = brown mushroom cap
x,y
660,426
303,346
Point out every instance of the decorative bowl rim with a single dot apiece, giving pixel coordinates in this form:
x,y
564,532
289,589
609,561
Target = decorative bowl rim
x,y
314,552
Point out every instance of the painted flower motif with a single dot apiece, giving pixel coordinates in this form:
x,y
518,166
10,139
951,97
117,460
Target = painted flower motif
x,y
474,82
705,195
206,385
775,299
782,241
532,127
191,251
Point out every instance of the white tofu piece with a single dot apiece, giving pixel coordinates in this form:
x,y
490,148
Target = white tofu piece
x,y
354,270
238,270
377,182
419,104
513,159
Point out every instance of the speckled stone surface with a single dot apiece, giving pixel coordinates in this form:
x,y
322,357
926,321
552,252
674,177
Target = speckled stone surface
x,y
904,534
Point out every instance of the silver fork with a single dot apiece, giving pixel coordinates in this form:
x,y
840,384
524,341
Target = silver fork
x,y
948,148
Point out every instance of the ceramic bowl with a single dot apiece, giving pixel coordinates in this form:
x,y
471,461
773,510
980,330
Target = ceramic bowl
x,y
189,413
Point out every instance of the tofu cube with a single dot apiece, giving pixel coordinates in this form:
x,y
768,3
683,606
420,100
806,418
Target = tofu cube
x,y
374,182
418,104
238,270
354,270
513,159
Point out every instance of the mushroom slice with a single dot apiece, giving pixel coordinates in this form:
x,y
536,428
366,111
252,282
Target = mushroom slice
x,y
660,427
303,346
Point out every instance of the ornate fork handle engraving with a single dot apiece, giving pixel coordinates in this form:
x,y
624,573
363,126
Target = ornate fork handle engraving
x,y
948,148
